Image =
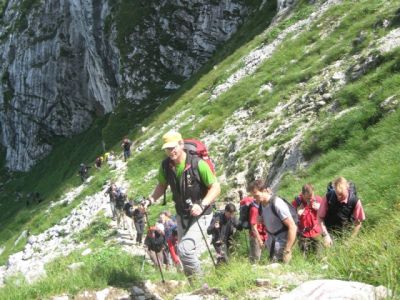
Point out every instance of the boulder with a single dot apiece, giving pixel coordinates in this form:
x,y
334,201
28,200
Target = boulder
x,y
336,289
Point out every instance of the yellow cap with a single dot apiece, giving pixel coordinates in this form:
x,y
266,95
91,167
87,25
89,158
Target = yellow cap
x,y
171,139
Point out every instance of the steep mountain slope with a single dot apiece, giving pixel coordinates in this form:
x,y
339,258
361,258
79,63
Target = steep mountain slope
x,y
312,97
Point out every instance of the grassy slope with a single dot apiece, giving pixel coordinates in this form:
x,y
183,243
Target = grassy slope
x,y
355,146
364,149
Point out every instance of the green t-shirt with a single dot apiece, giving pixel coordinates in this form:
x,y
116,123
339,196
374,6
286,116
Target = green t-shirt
x,y
206,175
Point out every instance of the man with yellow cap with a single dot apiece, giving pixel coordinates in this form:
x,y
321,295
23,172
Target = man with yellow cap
x,y
194,188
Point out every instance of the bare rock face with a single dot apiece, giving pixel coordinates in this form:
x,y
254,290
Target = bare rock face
x,y
176,38
57,70
60,66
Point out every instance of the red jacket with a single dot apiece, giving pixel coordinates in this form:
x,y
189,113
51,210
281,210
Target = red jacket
x,y
308,221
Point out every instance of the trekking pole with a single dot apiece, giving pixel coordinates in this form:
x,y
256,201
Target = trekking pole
x,y
165,198
190,203
158,260
205,240
247,242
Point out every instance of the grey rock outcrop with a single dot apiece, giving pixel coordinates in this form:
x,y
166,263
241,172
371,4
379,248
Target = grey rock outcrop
x,y
174,42
336,289
60,66
57,71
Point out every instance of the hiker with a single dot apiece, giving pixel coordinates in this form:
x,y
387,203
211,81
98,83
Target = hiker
x,y
83,171
139,220
278,220
171,238
307,205
128,216
111,191
257,231
155,243
111,160
120,198
105,157
126,145
222,227
195,188
340,209
98,162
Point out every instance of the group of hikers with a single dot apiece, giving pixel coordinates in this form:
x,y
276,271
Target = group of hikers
x,y
273,223
108,157
160,240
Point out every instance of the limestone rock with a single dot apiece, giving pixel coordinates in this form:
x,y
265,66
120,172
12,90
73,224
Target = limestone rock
x,y
86,252
390,104
76,265
103,294
263,282
336,289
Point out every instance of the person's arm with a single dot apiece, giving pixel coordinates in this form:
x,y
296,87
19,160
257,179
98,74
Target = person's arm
x,y
172,251
356,229
324,232
209,179
257,235
322,211
212,194
359,217
213,191
158,192
291,238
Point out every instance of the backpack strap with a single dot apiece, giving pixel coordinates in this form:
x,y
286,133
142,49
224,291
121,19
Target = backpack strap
x,y
194,162
298,201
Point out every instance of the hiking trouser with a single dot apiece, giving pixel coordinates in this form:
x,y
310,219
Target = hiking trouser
x,y
222,252
120,216
139,231
130,225
255,250
113,209
153,256
191,242
127,153
275,247
310,245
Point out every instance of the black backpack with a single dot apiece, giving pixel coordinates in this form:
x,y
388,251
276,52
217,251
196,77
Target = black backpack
x,y
244,213
119,198
128,210
155,241
293,213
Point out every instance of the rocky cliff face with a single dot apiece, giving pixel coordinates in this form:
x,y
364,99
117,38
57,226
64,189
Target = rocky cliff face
x,y
57,70
60,66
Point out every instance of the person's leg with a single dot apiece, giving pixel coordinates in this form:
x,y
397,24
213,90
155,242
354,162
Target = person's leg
x,y
303,245
191,244
255,250
112,205
139,229
278,253
153,257
119,217
129,224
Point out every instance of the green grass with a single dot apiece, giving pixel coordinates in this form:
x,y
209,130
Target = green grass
x,y
355,145
51,177
362,145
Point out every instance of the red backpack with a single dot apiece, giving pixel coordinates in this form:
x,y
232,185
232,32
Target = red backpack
x,y
196,147
244,213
